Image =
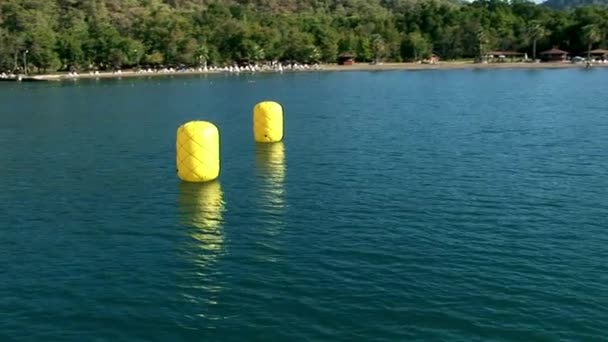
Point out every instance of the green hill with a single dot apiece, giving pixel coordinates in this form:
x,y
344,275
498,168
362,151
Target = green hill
x,y
79,34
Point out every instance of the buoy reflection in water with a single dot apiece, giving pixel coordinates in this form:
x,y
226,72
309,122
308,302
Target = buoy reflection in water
x,y
201,209
271,170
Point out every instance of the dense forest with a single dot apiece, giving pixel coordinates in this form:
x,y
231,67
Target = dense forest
x,y
50,35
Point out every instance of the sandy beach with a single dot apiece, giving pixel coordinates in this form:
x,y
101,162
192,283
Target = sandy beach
x,y
332,68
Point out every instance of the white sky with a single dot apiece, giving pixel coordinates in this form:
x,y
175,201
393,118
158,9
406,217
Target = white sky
x,y
536,1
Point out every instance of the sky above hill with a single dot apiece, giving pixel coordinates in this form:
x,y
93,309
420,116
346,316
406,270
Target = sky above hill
x,y
535,1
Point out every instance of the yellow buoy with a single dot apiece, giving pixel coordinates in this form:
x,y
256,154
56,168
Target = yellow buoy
x,y
198,151
268,122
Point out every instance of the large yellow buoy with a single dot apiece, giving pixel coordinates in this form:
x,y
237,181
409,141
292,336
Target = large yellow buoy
x,y
268,122
198,151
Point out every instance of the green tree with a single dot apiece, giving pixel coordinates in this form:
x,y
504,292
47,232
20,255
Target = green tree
x,y
133,50
483,40
535,32
415,47
109,33
12,45
378,47
591,34
202,54
71,40
364,51
348,43
40,42
298,45
155,58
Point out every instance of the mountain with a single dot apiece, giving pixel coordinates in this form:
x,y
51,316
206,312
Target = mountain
x,y
565,4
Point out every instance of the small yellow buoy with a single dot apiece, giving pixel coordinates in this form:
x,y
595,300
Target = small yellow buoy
x,y
198,151
268,122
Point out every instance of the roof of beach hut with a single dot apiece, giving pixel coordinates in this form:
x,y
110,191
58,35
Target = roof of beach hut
x,y
598,52
554,51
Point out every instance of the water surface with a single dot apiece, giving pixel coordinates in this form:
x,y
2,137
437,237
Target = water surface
x,y
432,205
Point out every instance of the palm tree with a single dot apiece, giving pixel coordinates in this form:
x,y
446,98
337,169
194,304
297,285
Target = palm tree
x,y
203,55
536,31
591,34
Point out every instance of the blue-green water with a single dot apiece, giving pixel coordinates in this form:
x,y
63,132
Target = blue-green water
x,y
434,205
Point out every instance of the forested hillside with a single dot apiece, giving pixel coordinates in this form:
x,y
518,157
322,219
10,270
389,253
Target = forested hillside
x,y
76,34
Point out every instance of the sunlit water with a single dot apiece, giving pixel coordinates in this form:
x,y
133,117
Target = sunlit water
x,y
432,205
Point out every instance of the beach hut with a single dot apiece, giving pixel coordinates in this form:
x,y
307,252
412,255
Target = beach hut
x,y
554,55
346,58
598,54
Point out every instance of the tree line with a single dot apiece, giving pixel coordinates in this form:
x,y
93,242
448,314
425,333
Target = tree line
x,y
51,35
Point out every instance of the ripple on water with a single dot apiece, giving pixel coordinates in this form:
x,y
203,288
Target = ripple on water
x,y
457,205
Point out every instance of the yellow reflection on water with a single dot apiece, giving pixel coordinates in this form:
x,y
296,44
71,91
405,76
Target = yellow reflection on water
x,y
201,208
270,166
201,211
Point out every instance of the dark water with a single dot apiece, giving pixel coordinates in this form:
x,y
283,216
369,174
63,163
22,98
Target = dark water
x,y
436,205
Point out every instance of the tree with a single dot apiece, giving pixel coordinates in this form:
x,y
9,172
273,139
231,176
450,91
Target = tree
x,y
11,46
104,44
535,32
202,54
155,58
299,45
378,46
591,34
415,47
314,55
71,40
482,43
363,49
63,34
40,43
134,51
258,53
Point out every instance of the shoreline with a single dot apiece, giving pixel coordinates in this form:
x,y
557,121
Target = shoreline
x,y
323,68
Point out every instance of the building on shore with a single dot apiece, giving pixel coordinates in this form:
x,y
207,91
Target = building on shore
x,y
554,55
598,54
346,58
